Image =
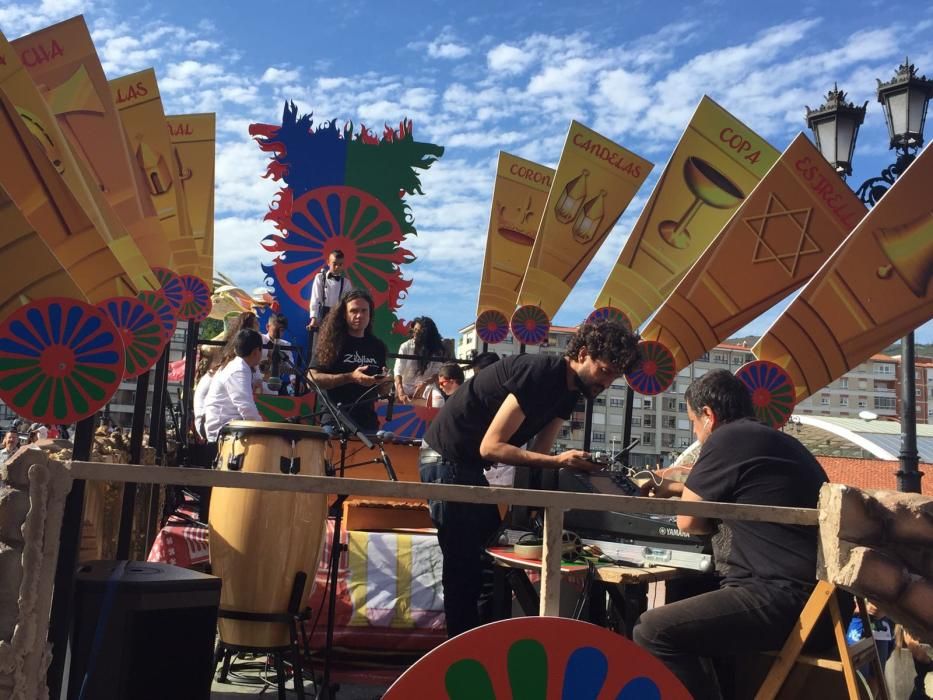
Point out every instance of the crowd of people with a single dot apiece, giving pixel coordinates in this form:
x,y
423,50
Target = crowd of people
x,y
21,433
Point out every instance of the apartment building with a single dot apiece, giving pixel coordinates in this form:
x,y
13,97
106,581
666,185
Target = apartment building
x,y
660,422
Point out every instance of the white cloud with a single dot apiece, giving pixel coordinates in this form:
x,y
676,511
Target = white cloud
x,y
447,49
508,59
237,253
280,75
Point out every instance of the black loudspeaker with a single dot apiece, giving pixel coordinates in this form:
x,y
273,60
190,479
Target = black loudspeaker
x,y
144,631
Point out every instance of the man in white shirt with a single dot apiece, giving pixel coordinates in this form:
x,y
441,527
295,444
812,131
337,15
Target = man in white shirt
x,y
10,445
230,396
328,288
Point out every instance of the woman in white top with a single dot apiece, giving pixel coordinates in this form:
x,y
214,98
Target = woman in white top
x,y
202,384
412,376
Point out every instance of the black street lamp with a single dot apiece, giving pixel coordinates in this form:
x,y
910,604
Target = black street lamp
x,y
835,128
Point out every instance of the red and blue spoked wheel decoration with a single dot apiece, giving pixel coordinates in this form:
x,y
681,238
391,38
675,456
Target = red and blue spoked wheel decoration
x,y
140,329
167,317
172,288
409,421
609,313
341,217
195,299
530,325
492,326
535,658
61,360
654,372
772,389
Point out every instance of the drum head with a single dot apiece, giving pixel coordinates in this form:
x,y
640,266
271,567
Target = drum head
x,y
291,431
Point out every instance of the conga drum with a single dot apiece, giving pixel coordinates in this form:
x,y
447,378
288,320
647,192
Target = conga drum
x,y
260,539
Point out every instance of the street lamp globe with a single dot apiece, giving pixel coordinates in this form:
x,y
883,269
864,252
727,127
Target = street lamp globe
x,y
905,99
835,128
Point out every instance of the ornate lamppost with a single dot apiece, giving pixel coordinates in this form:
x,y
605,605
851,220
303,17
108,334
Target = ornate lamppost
x,y
835,127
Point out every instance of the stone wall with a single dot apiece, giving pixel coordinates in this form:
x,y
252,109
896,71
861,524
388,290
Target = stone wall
x,y
33,487
879,545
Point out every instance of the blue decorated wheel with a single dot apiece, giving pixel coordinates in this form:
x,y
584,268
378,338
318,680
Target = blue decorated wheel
x,y
654,372
492,326
140,330
61,360
609,313
172,288
530,325
195,299
772,389
167,316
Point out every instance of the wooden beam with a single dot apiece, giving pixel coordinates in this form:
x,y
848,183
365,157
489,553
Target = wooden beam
x,y
550,561
442,492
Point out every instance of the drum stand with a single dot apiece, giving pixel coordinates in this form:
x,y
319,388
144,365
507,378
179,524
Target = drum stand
x,y
294,617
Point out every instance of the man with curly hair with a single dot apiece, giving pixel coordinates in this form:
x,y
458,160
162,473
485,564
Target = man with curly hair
x,y
349,361
519,400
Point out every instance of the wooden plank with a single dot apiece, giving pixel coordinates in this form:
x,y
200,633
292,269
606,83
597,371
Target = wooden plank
x,y
550,561
446,492
632,574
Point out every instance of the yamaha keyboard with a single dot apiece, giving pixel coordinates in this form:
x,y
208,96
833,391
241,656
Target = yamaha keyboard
x,y
632,538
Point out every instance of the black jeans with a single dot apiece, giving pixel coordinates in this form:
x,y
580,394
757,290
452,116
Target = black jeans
x,y
688,634
463,532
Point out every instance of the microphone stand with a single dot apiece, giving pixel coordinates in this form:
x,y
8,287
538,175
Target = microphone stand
x,y
345,428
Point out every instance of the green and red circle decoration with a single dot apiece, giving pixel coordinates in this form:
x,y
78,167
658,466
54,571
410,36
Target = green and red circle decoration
x,y
772,391
195,299
168,319
538,658
530,325
492,326
172,288
654,372
609,313
61,360
140,329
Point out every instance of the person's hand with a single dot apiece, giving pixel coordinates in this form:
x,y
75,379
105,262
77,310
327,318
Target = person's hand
x,y
360,376
667,488
418,393
312,324
400,395
578,459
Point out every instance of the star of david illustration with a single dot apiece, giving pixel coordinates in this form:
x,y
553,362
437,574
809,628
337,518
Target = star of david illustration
x,y
797,220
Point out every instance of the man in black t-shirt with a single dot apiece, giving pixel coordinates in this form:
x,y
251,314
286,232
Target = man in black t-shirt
x,y
770,569
350,361
517,400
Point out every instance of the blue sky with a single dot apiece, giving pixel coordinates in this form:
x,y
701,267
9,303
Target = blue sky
x,y
483,76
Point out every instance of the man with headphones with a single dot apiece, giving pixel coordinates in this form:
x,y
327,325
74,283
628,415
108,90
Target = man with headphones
x,y
769,569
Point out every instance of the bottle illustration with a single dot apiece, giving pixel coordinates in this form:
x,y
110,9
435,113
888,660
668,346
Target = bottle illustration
x,y
589,218
571,199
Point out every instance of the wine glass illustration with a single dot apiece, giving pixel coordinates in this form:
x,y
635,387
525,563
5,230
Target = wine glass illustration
x,y
709,186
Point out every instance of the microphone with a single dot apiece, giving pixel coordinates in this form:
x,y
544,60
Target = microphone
x,y
390,406
386,436
275,381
